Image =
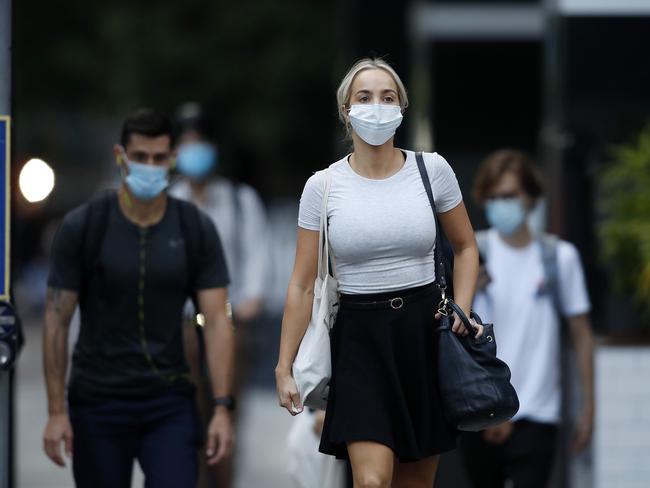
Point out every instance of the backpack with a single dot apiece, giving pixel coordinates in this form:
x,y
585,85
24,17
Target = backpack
x,y
96,222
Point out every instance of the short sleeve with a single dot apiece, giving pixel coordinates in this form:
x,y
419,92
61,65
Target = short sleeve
x,y
444,184
310,203
574,298
213,272
66,256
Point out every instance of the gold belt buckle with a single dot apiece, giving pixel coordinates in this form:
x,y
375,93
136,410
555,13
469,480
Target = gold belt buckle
x,y
396,303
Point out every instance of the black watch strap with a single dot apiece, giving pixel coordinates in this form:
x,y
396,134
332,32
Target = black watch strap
x,y
225,401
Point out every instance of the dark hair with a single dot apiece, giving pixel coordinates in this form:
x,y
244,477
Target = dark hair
x,y
147,122
505,161
191,116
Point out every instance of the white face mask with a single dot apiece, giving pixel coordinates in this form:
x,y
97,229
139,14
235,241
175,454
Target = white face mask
x,y
375,123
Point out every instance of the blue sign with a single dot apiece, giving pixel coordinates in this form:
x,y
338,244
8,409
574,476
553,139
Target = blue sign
x,y
5,195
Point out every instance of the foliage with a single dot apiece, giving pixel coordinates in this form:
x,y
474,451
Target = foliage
x,y
625,231
266,70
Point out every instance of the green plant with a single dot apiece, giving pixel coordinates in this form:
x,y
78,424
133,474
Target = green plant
x,y
625,230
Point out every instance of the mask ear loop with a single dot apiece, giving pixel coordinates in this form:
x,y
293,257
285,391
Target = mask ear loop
x,y
122,166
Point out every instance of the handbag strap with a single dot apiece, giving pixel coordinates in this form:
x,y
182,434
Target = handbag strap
x,y
446,304
438,256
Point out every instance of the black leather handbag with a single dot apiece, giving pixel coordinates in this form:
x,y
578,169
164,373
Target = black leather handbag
x,y
474,384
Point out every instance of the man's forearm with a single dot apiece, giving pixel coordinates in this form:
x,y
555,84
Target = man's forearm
x,y
220,350
59,308
55,363
583,342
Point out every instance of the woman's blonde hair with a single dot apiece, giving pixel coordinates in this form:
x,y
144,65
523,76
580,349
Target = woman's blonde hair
x,y
343,93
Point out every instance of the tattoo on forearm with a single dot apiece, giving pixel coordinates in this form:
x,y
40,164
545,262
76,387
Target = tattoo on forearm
x,y
53,299
60,304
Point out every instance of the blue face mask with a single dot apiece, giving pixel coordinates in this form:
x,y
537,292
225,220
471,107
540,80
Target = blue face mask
x,y
146,181
505,215
196,159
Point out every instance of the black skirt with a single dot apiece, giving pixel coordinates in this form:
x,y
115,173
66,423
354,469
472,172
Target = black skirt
x,y
384,376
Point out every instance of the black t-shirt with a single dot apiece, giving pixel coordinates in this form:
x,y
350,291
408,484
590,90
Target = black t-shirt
x,y
130,341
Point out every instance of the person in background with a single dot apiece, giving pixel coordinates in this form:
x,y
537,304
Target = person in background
x,y
528,284
239,214
131,259
307,467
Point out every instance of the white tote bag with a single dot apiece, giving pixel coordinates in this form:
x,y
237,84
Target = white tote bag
x,y
312,367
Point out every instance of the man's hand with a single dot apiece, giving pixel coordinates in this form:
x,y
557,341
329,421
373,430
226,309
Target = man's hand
x,y
583,431
58,430
220,436
498,434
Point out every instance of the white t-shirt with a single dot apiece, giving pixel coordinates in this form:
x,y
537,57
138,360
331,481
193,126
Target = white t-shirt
x,y
381,232
526,324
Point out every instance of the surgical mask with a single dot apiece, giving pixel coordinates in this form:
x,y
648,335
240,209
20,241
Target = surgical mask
x,y
146,181
505,215
375,123
196,159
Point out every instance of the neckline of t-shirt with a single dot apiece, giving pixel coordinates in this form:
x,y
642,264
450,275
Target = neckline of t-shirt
x,y
407,161
151,228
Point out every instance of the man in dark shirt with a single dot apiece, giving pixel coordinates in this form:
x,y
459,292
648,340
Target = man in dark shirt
x,y
131,259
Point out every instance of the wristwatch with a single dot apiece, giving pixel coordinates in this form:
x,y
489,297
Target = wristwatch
x,y
225,401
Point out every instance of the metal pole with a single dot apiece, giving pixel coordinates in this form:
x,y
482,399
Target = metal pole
x,y
5,376
5,57
421,84
553,145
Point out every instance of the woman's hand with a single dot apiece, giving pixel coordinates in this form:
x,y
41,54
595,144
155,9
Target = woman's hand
x,y
459,328
288,395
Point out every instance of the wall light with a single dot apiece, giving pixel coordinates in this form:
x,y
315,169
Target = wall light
x,y
36,180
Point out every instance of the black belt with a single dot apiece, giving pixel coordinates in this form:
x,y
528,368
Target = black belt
x,y
395,303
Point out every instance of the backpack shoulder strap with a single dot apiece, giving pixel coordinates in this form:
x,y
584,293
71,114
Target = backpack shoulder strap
x,y
94,230
190,222
549,245
238,214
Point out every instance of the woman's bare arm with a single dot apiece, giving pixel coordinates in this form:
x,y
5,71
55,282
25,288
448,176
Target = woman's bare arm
x,y
297,312
460,233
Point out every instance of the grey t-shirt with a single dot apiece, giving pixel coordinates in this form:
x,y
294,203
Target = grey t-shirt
x,y
381,232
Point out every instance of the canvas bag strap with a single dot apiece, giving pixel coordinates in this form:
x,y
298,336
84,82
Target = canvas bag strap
x,y
323,238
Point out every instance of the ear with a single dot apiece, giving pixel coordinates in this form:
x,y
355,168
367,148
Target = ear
x,y
119,151
345,110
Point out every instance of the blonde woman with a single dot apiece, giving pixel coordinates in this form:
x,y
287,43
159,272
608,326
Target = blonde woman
x,y
383,409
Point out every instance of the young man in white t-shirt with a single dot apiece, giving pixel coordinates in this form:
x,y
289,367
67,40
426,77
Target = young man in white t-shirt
x,y
526,306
